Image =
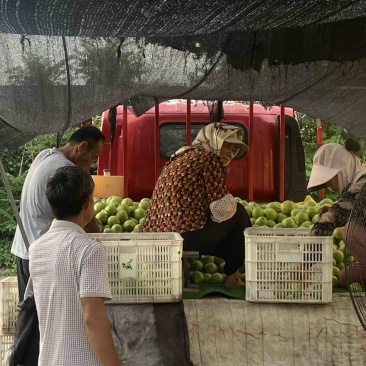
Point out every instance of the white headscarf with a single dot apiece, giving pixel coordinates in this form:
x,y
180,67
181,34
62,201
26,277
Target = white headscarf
x,y
212,137
332,160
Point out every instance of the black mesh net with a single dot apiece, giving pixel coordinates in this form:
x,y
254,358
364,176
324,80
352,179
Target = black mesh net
x,y
63,62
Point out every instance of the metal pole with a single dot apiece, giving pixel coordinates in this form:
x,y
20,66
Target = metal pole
x,y
188,123
319,142
319,132
156,142
282,155
125,169
13,205
251,154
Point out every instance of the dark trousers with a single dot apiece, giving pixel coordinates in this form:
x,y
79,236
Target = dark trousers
x,y
224,240
23,276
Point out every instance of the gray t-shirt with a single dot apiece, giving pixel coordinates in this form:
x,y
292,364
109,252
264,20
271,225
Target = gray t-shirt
x,y
35,211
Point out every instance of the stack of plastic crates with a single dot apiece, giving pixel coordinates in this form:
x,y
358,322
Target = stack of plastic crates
x,y
8,313
288,265
143,267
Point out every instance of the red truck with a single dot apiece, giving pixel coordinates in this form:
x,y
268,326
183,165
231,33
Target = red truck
x,y
145,143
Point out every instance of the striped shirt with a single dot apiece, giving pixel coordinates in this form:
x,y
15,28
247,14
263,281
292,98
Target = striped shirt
x,y
66,265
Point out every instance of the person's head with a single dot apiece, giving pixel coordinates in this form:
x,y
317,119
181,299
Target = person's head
x,y
84,146
70,193
222,139
334,167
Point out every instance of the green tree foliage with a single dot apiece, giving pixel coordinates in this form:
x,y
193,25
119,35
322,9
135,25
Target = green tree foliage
x,y
104,62
111,63
8,223
308,129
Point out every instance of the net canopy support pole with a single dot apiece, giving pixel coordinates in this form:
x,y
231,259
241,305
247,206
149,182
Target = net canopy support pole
x,y
251,154
319,142
188,123
125,170
156,143
12,203
319,133
282,155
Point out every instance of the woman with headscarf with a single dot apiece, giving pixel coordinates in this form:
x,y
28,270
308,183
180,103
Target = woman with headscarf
x,y
190,197
337,167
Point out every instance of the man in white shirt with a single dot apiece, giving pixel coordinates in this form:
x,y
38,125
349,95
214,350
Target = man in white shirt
x,y
70,278
84,146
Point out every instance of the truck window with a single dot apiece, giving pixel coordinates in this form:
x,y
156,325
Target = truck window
x,y
173,136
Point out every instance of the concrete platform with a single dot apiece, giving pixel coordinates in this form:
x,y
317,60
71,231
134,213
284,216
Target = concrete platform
x,y
226,332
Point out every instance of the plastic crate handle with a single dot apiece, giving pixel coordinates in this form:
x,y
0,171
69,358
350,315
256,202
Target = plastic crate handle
x,y
288,251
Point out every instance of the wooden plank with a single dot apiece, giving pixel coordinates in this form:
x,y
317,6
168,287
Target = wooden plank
x,y
190,311
239,330
347,341
333,348
317,334
300,323
254,333
345,315
286,355
361,346
224,332
271,335
206,332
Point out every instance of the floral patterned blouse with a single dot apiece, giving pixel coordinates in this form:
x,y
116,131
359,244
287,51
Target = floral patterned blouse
x,y
339,213
184,191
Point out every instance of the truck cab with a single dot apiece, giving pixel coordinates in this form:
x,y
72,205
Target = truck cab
x,y
147,153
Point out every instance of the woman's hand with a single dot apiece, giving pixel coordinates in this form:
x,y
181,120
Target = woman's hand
x,y
323,210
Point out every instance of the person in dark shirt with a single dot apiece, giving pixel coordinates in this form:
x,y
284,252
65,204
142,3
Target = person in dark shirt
x,y
336,166
191,197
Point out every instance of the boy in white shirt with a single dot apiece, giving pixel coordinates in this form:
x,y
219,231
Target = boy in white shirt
x,y
70,278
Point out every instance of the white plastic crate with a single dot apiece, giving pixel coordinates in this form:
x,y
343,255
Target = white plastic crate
x,y
8,304
288,265
144,267
6,340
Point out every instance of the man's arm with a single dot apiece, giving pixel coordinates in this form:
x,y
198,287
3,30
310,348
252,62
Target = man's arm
x,y
99,332
92,226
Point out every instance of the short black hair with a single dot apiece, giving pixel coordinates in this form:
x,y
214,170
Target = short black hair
x,y
91,134
68,189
